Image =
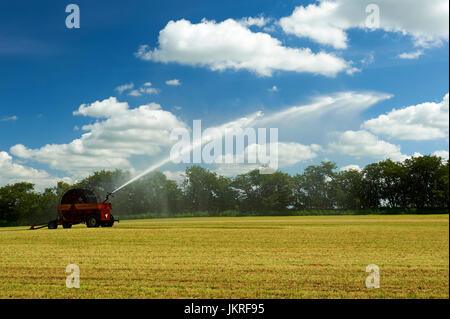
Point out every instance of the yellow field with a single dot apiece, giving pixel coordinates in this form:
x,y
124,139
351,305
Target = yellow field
x,y
263,257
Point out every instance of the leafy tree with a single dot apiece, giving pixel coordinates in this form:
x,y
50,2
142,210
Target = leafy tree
x,y
18,203
263,193
316,185
205,191
441,193
418,182
394,188
424,179
348,189
372,186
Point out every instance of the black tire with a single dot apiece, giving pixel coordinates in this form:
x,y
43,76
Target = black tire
x,y
92,221
109,223
67,225
53,224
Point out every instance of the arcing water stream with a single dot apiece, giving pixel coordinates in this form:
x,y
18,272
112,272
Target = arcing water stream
x,y
218,132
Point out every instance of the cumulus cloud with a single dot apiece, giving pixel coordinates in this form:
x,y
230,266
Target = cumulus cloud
x,y
442,153
318,23
273,89
424,121
231,45
351,167
365,144
326,22
174,82
11,172
119,133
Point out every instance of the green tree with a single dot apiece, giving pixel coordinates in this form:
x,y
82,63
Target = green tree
x,y
348,188
317,185
424,179
264,193
205,191
372,186
19,204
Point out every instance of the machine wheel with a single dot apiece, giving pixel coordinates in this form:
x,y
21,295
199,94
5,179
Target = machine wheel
x,y
92,221
67,225
109,223
53,224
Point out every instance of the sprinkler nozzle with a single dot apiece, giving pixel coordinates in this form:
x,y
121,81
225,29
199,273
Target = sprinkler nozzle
x,y
107,197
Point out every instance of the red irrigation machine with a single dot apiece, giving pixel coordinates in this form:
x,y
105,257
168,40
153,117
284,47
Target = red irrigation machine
x,y
80,206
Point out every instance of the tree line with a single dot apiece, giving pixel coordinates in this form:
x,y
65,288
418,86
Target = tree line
x,y
417,183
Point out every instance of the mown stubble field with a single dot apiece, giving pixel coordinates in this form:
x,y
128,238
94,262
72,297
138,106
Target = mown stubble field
x,y
254,257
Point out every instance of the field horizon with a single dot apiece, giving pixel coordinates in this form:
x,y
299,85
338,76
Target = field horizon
x,y
232,257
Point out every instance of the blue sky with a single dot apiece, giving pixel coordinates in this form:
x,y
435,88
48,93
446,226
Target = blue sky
x,y
48,71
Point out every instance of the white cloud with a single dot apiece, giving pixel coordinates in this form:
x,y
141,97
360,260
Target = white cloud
x,y
109,143
231,170
353,70
230,45
144,89
442,153
365,144
135,93
273,89
350,167
11,173
368,59
411,55
103,109
251,21
424,121
177,176
289,153
124,87
293,153
174,82
147,90
326,22
9,118
318,22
